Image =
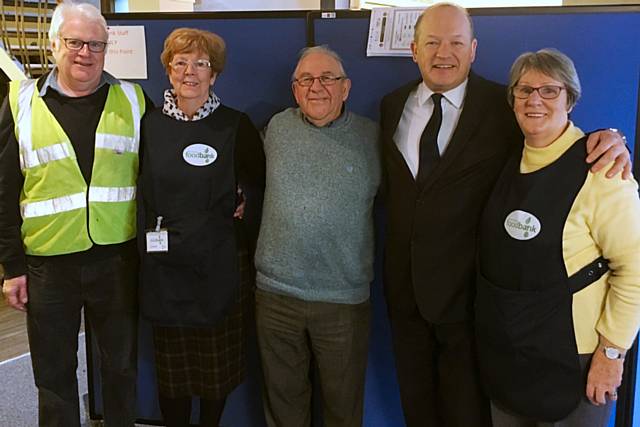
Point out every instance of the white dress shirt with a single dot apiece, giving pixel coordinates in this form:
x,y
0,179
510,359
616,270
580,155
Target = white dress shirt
x,y
415,116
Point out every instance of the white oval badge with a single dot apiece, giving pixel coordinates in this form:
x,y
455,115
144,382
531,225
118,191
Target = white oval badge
x,y
522,225
199,155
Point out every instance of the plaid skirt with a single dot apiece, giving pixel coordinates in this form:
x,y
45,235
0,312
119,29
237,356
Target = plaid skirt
x,y
206,362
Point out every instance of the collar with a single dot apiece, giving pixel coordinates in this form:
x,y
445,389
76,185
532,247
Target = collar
x,y
51,82
535,158
170,107
334,123
455,96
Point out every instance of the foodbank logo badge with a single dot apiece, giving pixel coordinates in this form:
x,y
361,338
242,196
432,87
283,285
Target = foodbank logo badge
x,y
199,155
522,225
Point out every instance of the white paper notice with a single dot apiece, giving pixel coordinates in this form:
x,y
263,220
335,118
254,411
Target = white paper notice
x,y
391,31
127,52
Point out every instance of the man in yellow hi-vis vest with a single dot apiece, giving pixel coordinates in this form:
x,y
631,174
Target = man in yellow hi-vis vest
x,y
68,167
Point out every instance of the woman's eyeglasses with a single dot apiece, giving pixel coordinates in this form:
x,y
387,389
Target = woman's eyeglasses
x,y
545,92
180,65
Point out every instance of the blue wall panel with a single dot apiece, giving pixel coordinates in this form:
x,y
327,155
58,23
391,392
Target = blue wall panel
x,y
604,47
261,56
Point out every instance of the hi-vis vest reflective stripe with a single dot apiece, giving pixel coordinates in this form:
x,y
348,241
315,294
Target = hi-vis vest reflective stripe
x,y
60,215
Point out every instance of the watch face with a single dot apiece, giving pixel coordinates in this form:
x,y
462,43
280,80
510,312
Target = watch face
x,y
611,353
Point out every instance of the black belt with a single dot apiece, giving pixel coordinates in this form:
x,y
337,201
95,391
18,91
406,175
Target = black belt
x,y
588,274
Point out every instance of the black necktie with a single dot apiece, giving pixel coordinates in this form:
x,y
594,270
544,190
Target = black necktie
x,y
429,152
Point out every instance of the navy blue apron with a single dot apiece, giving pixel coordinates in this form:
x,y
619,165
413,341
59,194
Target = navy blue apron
x,y
526,342
196,282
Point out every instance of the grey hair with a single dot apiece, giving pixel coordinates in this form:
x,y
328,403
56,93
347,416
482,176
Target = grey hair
x,y
552,63
322,49
74,8
465,12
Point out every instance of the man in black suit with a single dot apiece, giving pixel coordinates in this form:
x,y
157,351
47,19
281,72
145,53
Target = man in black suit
x,y
445,140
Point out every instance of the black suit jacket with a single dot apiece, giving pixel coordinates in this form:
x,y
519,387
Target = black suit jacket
x,y
431,234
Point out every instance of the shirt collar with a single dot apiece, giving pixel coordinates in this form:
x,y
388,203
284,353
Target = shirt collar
x,y
51,82
455,96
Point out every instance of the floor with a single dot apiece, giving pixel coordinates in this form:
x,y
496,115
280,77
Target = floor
x,y
13,332
18,404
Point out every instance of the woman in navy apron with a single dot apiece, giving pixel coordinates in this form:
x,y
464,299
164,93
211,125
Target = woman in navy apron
x,y
196,277
558,297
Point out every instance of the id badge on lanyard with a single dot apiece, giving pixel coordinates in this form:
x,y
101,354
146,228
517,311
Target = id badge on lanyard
x,y
158,239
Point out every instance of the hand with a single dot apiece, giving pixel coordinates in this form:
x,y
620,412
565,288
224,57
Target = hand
x,y
240,202
607,146
15,291
605,376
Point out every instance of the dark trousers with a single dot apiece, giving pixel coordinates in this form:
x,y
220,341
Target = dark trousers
x,y
58,291
291,331
437,372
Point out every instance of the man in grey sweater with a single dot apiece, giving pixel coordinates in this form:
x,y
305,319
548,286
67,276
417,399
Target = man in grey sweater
x,y
314,257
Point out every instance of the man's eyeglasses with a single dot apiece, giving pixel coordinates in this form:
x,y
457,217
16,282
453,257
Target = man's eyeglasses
x,y
324,80
180,65
545,92
95,46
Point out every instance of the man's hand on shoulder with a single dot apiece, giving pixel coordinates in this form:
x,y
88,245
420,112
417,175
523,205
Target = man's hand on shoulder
x,y
15,291
608,146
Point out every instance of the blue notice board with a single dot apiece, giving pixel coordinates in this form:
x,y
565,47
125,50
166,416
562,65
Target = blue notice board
x,y
262,49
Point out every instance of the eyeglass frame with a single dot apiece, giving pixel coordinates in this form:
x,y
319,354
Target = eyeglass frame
x,y
66,41
332,80
537,89
209,65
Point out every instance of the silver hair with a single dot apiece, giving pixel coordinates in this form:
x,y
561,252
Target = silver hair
x,y
552,63
465,12
323,49
68,9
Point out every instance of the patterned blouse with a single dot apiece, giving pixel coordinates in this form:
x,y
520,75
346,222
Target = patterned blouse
x,y
171,109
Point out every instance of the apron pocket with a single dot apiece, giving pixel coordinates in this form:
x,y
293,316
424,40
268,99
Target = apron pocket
x,y
527,350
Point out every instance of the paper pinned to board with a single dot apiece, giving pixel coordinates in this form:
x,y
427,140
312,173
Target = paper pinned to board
x,y
391,31
127,52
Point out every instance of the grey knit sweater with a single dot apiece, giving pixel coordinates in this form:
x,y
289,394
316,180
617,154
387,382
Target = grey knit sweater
x,y
316,238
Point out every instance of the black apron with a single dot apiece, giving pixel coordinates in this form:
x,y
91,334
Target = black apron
x,y
526,342
197,280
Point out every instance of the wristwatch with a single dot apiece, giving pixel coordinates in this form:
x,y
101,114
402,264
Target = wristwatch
x,y
612,353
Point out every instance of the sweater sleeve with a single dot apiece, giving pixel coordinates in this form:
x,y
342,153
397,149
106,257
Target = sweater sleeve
x,y
615,228
12,255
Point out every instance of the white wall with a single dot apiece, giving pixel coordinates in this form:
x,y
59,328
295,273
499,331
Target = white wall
x,y
122,6
219,5
508,3
256,4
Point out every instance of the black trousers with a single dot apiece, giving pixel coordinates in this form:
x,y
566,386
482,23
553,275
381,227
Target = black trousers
x,y
107,289
437,372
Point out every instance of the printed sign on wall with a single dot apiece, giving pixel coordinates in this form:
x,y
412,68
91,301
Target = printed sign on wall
x,y
127,52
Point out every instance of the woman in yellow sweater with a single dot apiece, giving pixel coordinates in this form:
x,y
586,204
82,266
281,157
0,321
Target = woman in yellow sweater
x,y
559,276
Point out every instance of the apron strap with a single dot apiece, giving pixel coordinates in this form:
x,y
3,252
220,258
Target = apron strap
x,y
588,274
